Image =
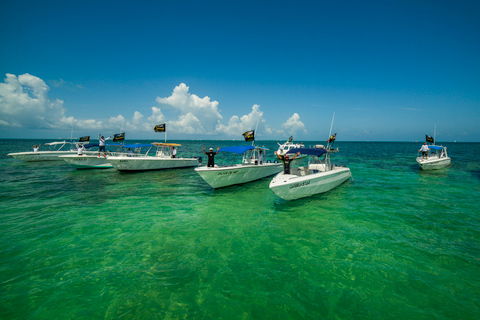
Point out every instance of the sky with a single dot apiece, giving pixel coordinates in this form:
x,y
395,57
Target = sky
x,y
388,70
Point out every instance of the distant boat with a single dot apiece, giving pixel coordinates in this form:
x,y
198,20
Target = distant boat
x,y
318,176
436,159
56,149
287,146
250,169
138,161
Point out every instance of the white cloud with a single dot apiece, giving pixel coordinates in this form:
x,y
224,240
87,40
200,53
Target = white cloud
x,y
24,102
238,125
157,116
200,115
293,125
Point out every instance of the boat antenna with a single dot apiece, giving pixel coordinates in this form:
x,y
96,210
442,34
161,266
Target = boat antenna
x,y
253,142
435,134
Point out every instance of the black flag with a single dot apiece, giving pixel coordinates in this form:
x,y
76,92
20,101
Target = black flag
x,y
119,137
290,139
332,138
429,138
84,139
161,127
249,135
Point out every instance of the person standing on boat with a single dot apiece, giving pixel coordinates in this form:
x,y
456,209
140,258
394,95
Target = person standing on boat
x,y
211,157
424,150
286,161
101,145
174,152
80,149
35,148
260,157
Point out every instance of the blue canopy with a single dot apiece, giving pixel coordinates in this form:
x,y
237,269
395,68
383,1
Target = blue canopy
x,y
136,145
89,145
435,147
239,149
309,151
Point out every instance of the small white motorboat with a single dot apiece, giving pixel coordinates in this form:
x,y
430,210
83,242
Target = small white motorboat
x,y
56,149
91,159
135,160
437,158
251,168
317,177
287,146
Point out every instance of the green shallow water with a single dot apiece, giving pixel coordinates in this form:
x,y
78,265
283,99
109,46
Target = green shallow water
x,y
394,243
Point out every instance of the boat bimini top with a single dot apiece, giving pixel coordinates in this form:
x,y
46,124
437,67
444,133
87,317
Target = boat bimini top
x,y
237,149
308,151
435,147
161,144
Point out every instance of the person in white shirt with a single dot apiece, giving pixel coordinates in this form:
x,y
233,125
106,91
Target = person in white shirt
x,y
101,145
35,148
260,157
424,150
80,149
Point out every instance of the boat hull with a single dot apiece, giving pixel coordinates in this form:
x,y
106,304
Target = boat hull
x,y
40,155
433,163
86,161
291,187
145,163
224,176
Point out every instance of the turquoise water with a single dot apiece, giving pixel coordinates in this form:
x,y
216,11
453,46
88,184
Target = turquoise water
x,y
394,243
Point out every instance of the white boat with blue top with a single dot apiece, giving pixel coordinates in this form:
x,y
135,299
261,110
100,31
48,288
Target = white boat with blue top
x,y
318,176
91,159
135,160
437,158
251,168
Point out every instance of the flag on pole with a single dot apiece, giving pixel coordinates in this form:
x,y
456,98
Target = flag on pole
x,y
429,138
161,127
249,135
84,139
332,138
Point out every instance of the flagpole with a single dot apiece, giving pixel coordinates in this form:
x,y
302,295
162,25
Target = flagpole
x,y
435,134
253,142
331,126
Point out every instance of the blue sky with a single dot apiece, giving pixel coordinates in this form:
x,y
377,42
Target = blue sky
x,y
390,70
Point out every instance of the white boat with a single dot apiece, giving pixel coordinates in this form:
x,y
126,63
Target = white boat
x,y
138,161
437,158
250,169
317,177
289,145
90,160
56,149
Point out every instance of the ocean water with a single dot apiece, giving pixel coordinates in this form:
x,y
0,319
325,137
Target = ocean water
x,y
393,243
